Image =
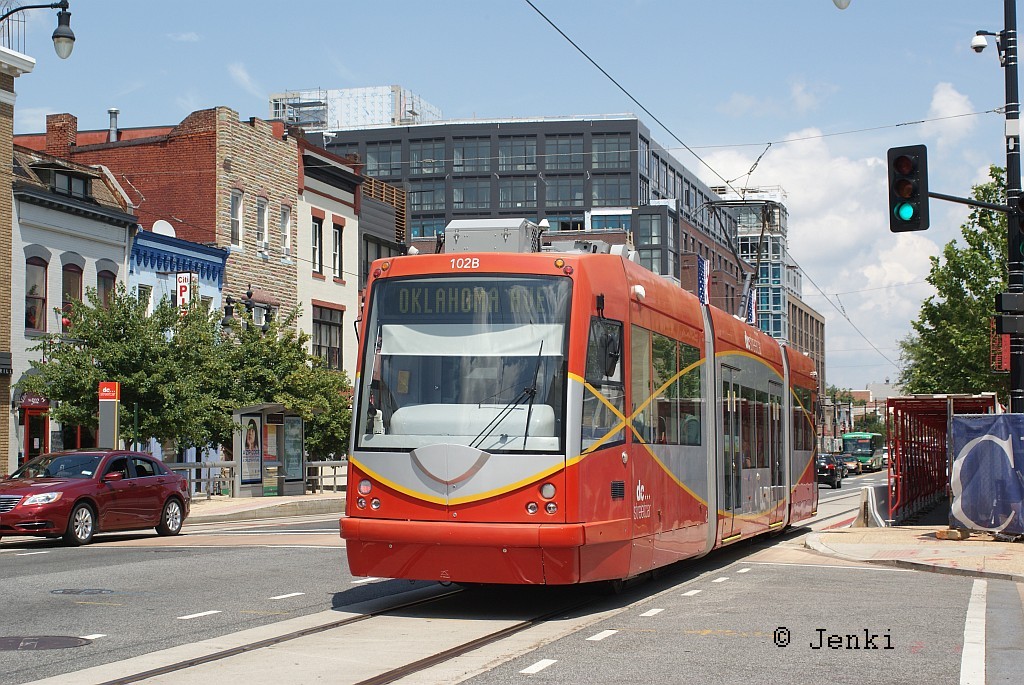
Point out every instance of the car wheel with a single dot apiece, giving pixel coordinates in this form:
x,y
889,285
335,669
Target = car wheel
x,y
170,519
81,525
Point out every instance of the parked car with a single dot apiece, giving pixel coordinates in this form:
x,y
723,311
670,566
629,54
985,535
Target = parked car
x,y
829,471
77,494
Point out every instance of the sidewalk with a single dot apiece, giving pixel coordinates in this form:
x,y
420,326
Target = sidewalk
x,y
219,509
917,547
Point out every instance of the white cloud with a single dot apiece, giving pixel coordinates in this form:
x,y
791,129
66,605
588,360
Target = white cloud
x,y
31,119
839,235
743,105
808,97
187,37
948,102
241,76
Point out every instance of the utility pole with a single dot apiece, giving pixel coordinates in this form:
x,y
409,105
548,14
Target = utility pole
x,y
1014,243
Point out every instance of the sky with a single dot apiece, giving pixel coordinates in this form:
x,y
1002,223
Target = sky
x,y
831,90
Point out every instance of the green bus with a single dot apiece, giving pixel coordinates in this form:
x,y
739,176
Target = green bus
x,y
866,449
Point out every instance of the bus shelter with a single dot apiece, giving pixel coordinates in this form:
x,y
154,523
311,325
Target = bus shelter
x,y
269,451
919,430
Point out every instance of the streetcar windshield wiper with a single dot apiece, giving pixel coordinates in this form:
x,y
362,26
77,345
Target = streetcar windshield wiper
x,y
529,392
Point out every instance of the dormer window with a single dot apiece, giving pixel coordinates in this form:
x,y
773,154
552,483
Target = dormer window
x,y
71,184
66,182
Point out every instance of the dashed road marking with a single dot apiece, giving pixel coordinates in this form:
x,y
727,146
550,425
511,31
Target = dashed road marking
x,y
93,637
539,666
28,554
652,612
290,594
202,613
743,570
364,580
691,593
602,635
720,580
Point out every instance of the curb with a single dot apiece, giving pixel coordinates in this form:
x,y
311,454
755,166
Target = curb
x,y
813,542
323,506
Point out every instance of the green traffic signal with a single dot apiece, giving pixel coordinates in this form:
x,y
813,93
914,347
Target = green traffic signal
x,y
904,211
908,188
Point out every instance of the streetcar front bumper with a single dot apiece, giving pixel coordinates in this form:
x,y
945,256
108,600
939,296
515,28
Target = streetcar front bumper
x,y
501,553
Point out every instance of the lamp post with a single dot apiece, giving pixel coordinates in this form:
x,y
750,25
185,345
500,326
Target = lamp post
x,y
63,36
1006,44
250,306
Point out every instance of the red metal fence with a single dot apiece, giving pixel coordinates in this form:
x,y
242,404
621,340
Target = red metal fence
x,y
918,431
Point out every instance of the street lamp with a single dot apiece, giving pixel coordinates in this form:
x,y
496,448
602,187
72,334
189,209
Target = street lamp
x,y
250,306
63,36
1006,45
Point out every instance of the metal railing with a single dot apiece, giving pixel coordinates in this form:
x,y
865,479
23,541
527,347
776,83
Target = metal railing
x,y
321,476
338,476
205,481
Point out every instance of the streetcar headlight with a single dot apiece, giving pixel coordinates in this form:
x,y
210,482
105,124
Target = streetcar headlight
x,y
551,507
365,486
375,504
361,502
547,491
532,508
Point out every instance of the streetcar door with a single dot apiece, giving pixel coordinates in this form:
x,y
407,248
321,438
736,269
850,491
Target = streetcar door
x,y
730,494
775,460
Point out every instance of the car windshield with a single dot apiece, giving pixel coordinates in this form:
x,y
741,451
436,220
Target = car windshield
x,y
60,466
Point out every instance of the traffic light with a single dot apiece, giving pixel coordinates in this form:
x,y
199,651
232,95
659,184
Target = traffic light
x,y
908,188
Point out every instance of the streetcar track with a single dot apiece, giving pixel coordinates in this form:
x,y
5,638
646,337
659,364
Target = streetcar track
x,y
269,642
482,641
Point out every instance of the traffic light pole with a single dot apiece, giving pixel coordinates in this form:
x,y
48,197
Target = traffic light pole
x,y
1014,242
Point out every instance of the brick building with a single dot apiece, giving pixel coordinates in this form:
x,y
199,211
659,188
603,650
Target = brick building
x,y
216,179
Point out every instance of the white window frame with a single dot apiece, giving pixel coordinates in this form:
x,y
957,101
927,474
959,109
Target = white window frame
x,y
317,241
262,227
237,227
336,255
286,230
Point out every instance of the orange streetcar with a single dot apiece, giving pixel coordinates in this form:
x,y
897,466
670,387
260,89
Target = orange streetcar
x,y
526,416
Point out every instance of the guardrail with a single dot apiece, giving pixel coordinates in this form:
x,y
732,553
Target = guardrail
x,y
321,476
338,476
219,483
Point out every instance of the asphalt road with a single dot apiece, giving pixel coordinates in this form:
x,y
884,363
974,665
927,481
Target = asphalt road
x,y
769,611
136,593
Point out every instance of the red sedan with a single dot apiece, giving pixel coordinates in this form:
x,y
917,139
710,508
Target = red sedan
x,y
75,495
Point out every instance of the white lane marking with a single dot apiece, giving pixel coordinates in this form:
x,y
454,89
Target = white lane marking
x,y
539,666
290,594
652,612
972,662
202,613
93,637
690,593
28,554
364,580
743,570
720,580
602,635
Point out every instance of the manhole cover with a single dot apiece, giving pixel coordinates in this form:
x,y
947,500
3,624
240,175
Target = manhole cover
x,y
33,642
82,591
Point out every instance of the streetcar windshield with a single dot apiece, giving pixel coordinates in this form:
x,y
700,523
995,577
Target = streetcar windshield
x,y
475,360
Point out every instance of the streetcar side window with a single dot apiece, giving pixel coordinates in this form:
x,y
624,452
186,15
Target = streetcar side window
x,y
602,422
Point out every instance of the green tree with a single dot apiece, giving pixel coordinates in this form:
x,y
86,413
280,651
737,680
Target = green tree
x,y
116,342
948,350
186,372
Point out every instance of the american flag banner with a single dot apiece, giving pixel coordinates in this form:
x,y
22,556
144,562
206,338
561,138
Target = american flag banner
x,y
752,307
702,280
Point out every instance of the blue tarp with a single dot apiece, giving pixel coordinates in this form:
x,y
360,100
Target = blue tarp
x,y
988,473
